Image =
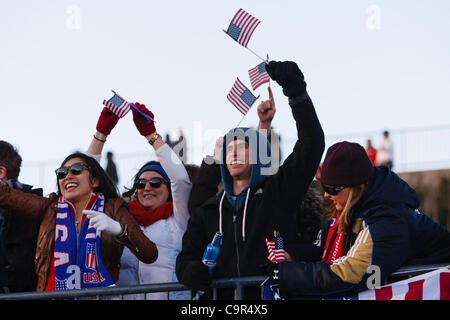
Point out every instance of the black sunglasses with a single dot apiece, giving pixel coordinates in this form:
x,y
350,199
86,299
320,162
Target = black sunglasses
x,y
155,182
332,190
75,169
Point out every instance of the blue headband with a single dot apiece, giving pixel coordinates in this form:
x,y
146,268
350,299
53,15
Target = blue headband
x,y
154,167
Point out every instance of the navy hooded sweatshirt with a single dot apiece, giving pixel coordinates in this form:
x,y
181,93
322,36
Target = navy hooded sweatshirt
x,y
385,229
267,203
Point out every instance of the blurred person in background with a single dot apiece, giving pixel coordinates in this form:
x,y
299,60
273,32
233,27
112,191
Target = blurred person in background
x,y
17,234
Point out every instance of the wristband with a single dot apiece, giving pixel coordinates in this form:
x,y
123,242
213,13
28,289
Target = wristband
x,y
153,138
98,139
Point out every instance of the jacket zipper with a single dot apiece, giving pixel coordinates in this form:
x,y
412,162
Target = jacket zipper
x,y
236,243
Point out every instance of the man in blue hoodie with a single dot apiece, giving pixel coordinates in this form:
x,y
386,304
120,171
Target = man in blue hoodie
x,y
253,202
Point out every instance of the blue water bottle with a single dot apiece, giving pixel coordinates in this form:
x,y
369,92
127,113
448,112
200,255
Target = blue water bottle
x,y
212,252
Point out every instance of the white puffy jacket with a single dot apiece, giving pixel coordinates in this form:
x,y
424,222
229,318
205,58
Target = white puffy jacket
x,y
165,233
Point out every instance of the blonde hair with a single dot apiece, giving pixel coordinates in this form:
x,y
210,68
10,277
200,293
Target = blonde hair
x,y
354,195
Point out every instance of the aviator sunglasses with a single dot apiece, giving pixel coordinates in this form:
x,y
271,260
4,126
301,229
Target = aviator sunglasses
x,y
74,169
155,182
332,190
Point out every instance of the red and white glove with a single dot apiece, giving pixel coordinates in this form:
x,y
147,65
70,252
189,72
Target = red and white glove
x,y
107,121
101,222
144,127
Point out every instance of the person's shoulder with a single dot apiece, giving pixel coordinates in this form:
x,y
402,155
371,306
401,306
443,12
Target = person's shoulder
x,y
116,203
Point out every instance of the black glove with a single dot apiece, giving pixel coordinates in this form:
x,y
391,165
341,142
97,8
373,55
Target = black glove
x,y
274,273
288,76
196,276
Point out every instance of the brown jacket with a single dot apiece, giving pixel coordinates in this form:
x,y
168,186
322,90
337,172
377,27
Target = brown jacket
x,y
42,211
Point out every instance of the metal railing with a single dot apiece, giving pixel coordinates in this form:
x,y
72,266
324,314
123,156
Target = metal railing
x,y
118,293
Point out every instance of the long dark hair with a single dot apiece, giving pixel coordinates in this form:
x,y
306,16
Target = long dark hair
x,y
131,191
106,185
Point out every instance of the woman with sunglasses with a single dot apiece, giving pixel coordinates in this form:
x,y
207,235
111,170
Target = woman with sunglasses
x,y
82,229
158,202
373,222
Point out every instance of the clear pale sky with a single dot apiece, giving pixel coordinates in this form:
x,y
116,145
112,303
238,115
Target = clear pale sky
x,y
369,65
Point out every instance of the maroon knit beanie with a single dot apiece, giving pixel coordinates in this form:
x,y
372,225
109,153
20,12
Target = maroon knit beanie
x,y
346,164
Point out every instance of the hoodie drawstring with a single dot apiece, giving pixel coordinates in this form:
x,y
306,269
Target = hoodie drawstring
x,y
220,212
245,213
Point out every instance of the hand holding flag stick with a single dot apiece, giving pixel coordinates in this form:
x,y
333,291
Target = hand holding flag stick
x,y
146,116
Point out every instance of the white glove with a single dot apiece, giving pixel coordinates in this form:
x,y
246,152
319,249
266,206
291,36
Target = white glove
x,y
101,222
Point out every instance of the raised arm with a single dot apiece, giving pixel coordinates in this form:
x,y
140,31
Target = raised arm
x,y
179,178
106,122
295,175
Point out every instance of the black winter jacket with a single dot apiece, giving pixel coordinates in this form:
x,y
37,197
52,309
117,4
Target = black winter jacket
x,y
17,248
385,230
270,206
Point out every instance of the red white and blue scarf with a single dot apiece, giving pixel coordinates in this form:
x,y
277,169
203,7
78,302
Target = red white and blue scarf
x,y
78,266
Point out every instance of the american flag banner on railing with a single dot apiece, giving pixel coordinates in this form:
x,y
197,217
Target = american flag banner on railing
x,y
117,105
434,285
258,75
242,26
241,97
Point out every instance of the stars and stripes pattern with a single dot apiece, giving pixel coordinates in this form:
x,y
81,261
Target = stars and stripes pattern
x,y
258,75
276,249
241,97
434,285
91,256
117,105
242,27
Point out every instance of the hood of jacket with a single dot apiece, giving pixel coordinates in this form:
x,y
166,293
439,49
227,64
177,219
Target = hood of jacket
x,y
260,157
386,188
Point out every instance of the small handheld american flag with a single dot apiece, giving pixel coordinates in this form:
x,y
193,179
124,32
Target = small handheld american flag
x,y
258,75
117,105
276,248
242,26
241,97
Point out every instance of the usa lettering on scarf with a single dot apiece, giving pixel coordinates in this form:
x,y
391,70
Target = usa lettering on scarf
x,y
82,268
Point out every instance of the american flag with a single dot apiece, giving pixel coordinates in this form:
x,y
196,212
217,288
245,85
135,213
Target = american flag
x,y
241,97
242,26
258,75
91,257
117,105
276,249
434,285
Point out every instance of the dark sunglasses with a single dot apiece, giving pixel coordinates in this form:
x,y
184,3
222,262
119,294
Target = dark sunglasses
x,y
74,169
155,182
332,190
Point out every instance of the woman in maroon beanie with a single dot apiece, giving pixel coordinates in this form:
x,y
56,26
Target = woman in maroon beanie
x,y
373,221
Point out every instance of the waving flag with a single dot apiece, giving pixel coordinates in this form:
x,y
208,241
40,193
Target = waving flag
x,y
242,26
258,75
117,105
276,249
241,97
